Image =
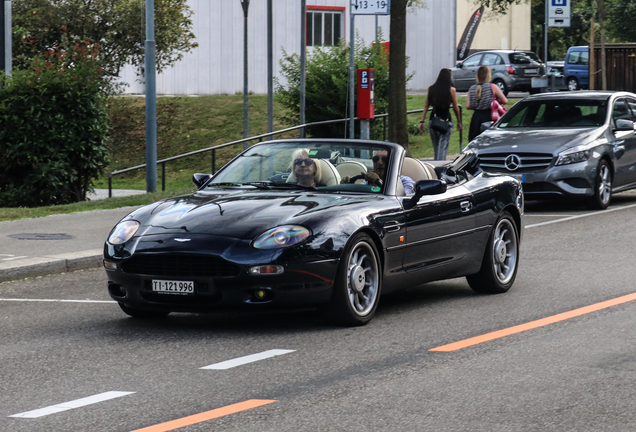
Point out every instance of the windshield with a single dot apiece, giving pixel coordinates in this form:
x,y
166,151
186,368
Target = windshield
x,y
304,165
555,113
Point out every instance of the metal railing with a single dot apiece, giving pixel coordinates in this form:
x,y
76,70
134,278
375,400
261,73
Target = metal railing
x,y
260,138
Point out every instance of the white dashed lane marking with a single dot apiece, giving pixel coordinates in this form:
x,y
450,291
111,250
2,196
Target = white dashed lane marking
x,y
72,404
247,359
55,300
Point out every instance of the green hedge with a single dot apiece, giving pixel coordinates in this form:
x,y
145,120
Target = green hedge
x,y
53,127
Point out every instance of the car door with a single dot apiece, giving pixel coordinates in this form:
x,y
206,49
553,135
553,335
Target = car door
x,y
465,77
439,233
495,63
624,144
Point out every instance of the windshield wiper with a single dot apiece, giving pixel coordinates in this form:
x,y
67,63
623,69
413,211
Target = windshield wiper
x,y
259,185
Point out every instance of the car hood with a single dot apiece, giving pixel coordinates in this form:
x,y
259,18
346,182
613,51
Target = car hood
x,y
239,214
520,140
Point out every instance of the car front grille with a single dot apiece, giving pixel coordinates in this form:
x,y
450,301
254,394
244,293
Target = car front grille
x,y
179,265
506,162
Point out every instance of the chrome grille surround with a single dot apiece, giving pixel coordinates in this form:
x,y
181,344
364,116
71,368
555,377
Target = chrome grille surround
x,y
509,163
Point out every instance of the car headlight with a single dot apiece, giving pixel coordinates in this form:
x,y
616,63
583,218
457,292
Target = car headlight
x,y
281,237
573,157
123,232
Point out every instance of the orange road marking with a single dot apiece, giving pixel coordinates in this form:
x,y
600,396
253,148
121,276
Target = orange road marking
x,y
534,324
205,416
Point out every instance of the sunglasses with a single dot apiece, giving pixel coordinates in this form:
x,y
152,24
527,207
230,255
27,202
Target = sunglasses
x,y
375,159
307,162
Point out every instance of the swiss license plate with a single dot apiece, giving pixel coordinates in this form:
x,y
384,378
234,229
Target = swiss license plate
x,y
532,71
173,287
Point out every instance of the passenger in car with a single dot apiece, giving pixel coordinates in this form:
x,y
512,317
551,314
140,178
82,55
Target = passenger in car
x,y
305,170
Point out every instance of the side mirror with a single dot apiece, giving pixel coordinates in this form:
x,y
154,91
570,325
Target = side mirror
x,y
624,125
485,125
459,65
428,187
199,179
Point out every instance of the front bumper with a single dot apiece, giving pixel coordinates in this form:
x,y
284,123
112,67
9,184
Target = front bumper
x,y
220,274
575,181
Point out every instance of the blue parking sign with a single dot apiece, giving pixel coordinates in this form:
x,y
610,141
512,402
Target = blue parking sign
x,y
559,2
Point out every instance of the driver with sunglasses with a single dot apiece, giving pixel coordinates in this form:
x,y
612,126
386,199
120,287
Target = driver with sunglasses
x,y
380,160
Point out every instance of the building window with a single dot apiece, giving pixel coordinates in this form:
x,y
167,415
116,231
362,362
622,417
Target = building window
x,y
324,27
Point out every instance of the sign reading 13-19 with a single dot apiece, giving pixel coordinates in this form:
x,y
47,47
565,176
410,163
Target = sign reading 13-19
x,y
370,7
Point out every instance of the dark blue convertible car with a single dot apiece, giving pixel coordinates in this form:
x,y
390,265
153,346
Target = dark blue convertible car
x,y
331,224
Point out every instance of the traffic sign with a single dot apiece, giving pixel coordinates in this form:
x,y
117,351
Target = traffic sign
x,y
559,13
370,7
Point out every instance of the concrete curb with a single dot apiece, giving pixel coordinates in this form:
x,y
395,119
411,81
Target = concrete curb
x,y
51,264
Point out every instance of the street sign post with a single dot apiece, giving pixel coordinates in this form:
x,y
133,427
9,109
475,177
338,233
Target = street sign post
x,y
559,13
361,7
370,7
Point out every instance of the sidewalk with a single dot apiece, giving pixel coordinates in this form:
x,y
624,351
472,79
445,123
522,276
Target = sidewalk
x,y
57,243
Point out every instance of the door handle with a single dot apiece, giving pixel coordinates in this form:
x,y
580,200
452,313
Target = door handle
x,y
466,206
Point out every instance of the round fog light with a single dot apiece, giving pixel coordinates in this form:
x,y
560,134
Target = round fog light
x,y
260,294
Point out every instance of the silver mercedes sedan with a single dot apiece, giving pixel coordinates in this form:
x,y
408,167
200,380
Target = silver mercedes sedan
x,y
575,145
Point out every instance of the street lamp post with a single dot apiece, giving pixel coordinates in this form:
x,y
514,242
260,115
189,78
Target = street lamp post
x,y
150,71
246,5
5,36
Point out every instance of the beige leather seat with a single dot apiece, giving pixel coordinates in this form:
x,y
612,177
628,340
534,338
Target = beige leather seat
x,y
417,170
329,176
351,168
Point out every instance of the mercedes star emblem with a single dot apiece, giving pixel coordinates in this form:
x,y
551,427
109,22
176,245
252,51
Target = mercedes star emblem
x,y
513,162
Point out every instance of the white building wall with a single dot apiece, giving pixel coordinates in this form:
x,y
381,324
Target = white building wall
x,y
216,66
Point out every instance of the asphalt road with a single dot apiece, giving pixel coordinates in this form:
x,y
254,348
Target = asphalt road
x,y
63,341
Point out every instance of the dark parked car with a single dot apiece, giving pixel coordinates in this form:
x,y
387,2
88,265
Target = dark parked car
x,y
252,237
511,70
565,145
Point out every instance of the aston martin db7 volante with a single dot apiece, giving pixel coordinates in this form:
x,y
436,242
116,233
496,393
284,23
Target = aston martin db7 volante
x,y
330,224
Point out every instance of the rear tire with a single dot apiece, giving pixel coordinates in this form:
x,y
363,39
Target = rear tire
x,y
356,290
501,259
143,313
602,187
502,86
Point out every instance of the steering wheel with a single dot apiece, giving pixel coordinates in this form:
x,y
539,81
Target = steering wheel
x,y
355,178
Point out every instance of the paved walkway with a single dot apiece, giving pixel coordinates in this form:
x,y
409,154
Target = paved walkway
x,y
57,243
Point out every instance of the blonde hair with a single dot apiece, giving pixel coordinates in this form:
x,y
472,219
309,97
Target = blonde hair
x,y
483,76
297,154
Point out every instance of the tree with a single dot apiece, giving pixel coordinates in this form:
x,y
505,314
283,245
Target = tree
x,y
622,15
398,124
117,26
327,81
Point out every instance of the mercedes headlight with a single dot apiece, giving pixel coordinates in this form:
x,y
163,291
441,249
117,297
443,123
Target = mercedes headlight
x,y
281,237
570,157
123,232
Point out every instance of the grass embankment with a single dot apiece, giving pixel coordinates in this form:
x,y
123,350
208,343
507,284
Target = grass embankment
x,y
186,124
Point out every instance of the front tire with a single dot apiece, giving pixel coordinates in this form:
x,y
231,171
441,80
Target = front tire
x,y
356,290
501,259
573,84
143,313
602,187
